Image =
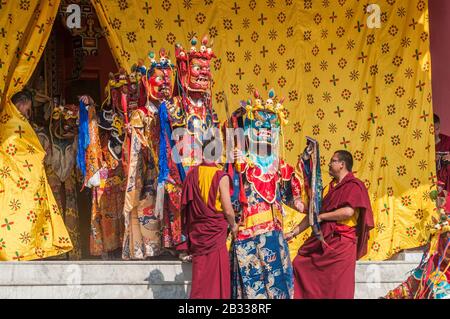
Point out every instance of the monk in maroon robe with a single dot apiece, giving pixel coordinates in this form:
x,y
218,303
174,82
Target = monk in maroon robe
x,y
326,270
442,154
207,211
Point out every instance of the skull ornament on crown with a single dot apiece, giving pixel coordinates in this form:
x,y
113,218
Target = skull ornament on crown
x,y
194,66
160,77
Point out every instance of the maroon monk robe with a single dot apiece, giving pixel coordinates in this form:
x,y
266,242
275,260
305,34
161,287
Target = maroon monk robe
x,y
206,231
444,173
327,271
447,204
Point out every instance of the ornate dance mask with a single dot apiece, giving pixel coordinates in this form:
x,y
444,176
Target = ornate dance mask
x,y
64,121
263,120
160,77
131,85
194,66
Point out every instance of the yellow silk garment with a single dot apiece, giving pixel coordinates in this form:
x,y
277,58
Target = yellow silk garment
x,y
347,84
31,226
291,220
205,178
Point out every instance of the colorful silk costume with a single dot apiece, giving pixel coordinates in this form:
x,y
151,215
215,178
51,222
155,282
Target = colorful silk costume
x,y
100,141
443,167
60,145
142,225
431,279
190,115
260,254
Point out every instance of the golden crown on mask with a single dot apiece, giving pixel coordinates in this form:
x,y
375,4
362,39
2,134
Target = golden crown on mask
x,y
121,78
268,105
63,112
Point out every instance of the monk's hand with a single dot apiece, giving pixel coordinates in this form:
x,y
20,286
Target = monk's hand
x,y
446,158
289,236
307,152
86,99
299,205
234,230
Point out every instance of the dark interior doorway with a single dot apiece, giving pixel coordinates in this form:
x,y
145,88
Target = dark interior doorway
x,y
74,63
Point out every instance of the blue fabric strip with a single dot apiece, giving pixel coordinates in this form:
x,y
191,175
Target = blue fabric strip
x,y
83,138
163,161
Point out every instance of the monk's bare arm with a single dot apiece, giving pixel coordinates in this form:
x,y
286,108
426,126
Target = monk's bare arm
x,y
338,214
224,188
300,228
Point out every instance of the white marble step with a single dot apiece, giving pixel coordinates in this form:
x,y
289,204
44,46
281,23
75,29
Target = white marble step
x,y
150,279
94,272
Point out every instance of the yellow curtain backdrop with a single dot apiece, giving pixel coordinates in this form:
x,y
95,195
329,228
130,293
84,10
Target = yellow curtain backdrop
x,y
368,90
347,85
31,226
292,219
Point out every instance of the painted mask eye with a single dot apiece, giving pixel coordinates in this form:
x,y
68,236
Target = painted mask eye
x,y
258,123
196,68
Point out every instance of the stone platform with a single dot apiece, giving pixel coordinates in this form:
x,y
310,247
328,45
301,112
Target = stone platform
x,y
151,279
